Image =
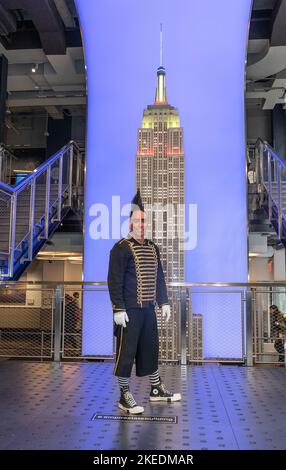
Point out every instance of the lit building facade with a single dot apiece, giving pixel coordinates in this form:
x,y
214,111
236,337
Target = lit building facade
x,y
160,175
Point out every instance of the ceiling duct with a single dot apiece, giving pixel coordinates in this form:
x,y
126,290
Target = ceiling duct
x,y
46,20
8,23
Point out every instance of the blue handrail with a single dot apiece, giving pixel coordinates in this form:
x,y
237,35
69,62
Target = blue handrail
x,y
272,151
36,172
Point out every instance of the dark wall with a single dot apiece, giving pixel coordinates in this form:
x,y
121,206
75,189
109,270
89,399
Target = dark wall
x,y
59,134
259,124
29,159
279,130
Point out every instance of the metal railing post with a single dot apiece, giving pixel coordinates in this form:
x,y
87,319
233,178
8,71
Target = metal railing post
x,y
12,233
57,323
70,176
60,185
249,328
31,220
6,158
78,180
257,166
261,163
183,310
279,205
47,203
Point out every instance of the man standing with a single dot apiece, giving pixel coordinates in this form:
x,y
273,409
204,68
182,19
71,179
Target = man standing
x,y
136,283
278,329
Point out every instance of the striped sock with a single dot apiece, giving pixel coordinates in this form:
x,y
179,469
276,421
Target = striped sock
x,y
154,378
123,383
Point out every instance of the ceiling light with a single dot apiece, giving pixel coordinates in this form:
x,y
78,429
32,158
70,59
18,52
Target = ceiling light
x,y
35,68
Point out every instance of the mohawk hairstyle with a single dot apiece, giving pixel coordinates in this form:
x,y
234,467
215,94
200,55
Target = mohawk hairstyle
x,y
136,203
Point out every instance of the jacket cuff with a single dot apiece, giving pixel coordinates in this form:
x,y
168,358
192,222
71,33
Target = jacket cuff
x,y
118,309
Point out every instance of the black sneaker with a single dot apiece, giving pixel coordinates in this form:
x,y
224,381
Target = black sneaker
x,y
128,404
160,393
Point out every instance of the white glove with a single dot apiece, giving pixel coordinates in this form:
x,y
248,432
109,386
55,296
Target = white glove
x,y
166,312
120,318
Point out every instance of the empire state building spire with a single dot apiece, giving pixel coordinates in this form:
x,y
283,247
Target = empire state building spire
x,y
161,97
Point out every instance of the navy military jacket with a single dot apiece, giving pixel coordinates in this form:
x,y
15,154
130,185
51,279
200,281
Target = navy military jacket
x,y
135,275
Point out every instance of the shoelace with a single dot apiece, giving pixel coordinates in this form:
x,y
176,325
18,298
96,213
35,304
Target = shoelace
x,y
162,386
129,398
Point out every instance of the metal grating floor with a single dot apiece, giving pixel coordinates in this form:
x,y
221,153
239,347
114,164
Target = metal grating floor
x,y
50,406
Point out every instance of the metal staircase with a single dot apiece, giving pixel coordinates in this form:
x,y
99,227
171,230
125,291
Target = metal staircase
x,y
32,211
271,181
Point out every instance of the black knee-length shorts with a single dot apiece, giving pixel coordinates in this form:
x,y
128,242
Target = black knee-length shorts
x,y
138,341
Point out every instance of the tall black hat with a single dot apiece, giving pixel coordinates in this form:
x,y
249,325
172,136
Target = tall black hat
x,y
136,203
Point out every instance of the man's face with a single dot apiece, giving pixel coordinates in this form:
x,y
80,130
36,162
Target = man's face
x,y
138,224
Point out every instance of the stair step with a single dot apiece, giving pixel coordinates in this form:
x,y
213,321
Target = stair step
x,y
21,221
